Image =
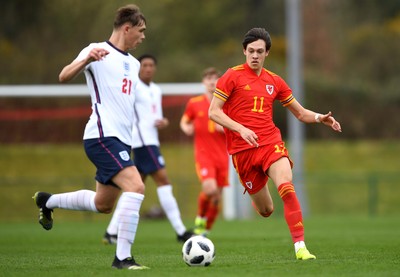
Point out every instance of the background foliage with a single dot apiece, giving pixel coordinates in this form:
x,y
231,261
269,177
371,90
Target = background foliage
x,y
351,60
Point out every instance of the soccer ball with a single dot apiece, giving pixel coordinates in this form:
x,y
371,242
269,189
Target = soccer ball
x,y
198,251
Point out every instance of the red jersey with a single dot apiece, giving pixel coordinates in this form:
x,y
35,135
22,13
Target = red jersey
x,y
209,144
249,101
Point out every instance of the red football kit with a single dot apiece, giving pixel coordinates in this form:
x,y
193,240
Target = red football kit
x,y
249,101
209,144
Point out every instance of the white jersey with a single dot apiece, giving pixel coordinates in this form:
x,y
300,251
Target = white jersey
x,y
148,109
112,83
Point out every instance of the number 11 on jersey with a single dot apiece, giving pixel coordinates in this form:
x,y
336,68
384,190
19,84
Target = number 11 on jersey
x,y
254,109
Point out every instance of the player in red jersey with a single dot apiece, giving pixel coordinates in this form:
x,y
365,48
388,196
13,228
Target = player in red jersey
x,y
242,103
210,153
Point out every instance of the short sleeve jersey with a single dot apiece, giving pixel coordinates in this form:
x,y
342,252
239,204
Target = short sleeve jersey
x,y
208,142
249,101
112,83
148,109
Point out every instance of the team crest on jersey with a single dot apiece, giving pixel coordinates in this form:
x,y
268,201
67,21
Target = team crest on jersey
x,y
126,66
124,155
270,89
249,184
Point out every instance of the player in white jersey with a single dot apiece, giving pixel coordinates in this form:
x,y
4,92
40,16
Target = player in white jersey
x,y
112,92
146,148
112,76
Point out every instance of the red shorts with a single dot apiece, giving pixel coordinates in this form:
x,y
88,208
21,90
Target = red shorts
x,y
252,165
208,170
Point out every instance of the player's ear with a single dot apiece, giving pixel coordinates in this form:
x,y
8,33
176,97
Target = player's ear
x,y
126,27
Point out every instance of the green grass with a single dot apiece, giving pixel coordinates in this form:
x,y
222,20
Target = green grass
x,y
352,187
345,246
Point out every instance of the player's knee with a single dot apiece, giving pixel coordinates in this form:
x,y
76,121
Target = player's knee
x,y
266,214
139,188
104,208
211,191
134,186
267,211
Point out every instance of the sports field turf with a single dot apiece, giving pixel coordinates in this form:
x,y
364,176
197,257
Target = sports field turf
x,y
345,246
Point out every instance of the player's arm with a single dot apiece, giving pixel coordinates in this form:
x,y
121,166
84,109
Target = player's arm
x,y
71,70
161,122
186,125
217,115
308,116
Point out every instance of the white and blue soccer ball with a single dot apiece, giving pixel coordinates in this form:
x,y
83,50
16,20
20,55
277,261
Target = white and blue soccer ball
x,y
198,251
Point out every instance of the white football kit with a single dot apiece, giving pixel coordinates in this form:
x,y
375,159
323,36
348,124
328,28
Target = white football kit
x,y
148,109
112,83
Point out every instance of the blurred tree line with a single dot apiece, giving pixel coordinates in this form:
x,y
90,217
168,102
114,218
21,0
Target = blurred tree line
x,y
351,48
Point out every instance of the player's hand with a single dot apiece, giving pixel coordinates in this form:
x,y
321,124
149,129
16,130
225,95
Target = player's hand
x,y
249,136
329,120
97,54
161,123
188,129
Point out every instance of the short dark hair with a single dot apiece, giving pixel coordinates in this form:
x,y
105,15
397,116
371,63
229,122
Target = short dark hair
x,y
129,14
211,71
256,34
147,56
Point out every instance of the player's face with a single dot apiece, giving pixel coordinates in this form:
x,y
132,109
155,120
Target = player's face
x,y
147,69
134,35
210,82
255,55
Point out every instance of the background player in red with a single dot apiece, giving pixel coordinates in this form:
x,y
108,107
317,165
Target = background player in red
x,y
243,103
210,153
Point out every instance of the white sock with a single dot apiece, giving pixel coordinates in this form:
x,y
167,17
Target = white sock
x,y
170,207
128,219
112,228
298,245
81,200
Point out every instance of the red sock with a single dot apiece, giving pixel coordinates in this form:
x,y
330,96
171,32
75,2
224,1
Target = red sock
x,y
292,211
212,213
203,203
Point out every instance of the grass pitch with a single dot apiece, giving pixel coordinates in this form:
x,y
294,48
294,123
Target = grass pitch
x,y
345,246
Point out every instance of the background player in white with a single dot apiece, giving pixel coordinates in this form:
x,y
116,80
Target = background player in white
x,y
146,148
111,75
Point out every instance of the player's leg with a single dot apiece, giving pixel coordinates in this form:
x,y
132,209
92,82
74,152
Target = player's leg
x,y
81,200
208,199
281,174
213,209
212,190
111,233
169,204
262,202
110,236
116,169
212,195
130,201
200,221
248,165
